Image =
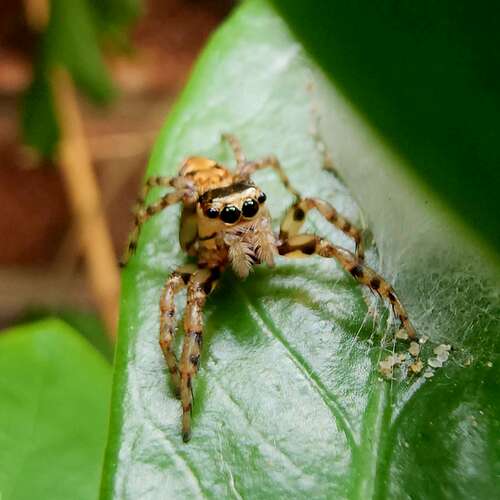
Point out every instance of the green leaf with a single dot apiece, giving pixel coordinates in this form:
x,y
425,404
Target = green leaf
x,y
288,400
115,14
71,39
54,390
88,324
38,121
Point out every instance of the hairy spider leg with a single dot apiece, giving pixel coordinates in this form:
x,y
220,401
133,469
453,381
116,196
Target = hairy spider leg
x,y
237,149
145,213
202,282
150,183
244,168
308,244
245,171
177,182
168,324
294,219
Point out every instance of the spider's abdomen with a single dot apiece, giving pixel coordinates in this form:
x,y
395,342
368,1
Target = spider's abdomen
x,y
206,174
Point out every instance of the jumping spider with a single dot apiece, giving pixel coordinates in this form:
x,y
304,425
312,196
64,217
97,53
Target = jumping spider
x,y
225,221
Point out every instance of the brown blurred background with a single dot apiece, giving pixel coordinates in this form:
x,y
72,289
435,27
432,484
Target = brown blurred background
x,y
41,265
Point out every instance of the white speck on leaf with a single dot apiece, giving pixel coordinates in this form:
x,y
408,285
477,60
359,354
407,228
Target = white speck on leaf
x,y
414,349
401,334
417,366
435,363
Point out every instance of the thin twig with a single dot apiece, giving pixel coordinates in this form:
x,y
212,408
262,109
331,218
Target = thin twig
x,y
83,192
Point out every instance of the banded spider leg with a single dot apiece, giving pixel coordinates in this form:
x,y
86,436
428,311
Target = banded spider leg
x,y
199,283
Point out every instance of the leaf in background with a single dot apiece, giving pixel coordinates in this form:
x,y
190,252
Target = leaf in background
x,y
38,121
112,15
435,59
86,323
288,400
90,326
54,391
71,39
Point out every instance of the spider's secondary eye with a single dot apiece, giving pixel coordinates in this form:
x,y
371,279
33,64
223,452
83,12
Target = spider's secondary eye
x,y
249,208
230,214
212,213
262,198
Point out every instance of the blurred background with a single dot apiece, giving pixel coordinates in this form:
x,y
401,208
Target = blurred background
x,y
69,179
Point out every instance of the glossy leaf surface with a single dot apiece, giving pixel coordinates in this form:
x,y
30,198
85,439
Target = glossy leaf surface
x,y
54,390
288,400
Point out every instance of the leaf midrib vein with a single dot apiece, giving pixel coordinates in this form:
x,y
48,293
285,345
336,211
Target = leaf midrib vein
x,y
326,396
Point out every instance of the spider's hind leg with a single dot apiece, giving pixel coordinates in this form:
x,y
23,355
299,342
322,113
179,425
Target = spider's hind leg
x,y
246,170
237,149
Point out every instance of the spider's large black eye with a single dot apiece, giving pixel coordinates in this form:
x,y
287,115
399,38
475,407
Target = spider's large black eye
x,y
212,213
230,214
250,208
262,198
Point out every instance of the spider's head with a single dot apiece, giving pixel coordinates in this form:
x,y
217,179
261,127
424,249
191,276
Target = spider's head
x,y
236,204
239,214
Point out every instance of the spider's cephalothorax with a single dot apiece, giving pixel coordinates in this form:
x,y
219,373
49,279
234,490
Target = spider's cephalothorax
x,y
230,223
224,222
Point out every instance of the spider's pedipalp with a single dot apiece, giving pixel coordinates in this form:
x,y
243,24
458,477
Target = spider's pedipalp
x,y
310,244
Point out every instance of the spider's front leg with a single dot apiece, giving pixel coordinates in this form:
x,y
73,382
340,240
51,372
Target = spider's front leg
x,y
307,244
200,285
184,191
294,219
142,215
150,183
174,284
